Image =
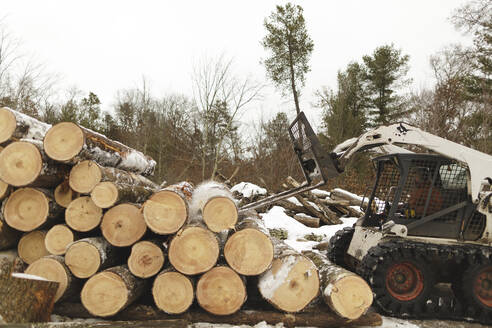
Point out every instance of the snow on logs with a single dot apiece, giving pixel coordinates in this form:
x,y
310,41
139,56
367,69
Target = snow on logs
x,y
15,125
70,143
173,292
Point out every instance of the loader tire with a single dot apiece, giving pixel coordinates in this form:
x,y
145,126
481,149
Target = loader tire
x,y
477,288
339,244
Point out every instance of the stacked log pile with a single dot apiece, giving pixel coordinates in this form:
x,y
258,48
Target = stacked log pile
x,y
82,212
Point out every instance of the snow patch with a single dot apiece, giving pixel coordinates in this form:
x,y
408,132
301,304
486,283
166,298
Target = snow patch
x,y
248,189
269,282
294,201
203,192
320,193
28,276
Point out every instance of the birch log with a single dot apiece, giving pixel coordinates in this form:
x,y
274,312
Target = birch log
x,y
221,291
123,225
85,257
70,143
173,292
58,238
347,294
166,211
110,291
292,282
31,246
83,215
15,125
146,258
108,194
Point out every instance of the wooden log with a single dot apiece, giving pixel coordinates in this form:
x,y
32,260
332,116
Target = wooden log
x,y
347,294
15,125
214,203
173,292
4,187
83,215
340,194
64,194
70,143
8,237
110,291
307,220
108,194
242,317
290,206
53,268
146,258
123,225
85,257
292,282
87,174
249,250
194,250
221,291
27,209
58,238
166,211
10,262
31,246
22,164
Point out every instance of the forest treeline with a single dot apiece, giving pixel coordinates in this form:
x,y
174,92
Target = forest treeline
x,y
199,136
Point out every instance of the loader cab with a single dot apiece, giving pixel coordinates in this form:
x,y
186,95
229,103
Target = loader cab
x,y
426,193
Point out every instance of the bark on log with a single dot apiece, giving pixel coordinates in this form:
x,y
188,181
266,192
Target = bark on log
x,y
215,204
110,291
58,238
354,200
87,174
108,194
53,268
194,250
290,206
15,125
221,291
166,211
146,258
26,298
347,294
246,317
70,143
27,209
292,282
8,237
83,215
123,225
10,263
31,246
64,194
249,250
173,292
85,257
22,164
308,221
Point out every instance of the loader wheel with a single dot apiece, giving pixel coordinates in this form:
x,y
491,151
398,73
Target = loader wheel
x,y
339,245
404,281
477,286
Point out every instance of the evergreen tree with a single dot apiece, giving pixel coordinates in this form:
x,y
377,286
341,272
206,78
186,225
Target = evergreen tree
x,y
290,49
90,112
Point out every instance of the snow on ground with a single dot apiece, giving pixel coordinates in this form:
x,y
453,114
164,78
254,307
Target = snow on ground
x,y
249,189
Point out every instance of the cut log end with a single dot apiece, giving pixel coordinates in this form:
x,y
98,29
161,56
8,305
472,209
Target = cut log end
x,y
32,247
83,259
351,296
123,225
26,209
106,286
7,124
249,252
64,194
165,212
58,238
146,259
220,213
104,194
221,291
63,141
4,189
20,164
173,292
193,250
82,214
85,176
50,269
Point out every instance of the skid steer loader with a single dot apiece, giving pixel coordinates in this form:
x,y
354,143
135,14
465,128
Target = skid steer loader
x,y
427,222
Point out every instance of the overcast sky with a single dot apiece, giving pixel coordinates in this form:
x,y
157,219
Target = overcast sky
x,y
103,46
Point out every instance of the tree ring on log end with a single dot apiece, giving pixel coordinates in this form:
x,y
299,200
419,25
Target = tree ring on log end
x,y
58,238
146,259
85,176
8,124
355,299
173,292
220,213
123,225
83,259
31,246
26,209
221,291
165,212
52,270
64,141
104,194
249,252
193,250
82,214
20,164
106,286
